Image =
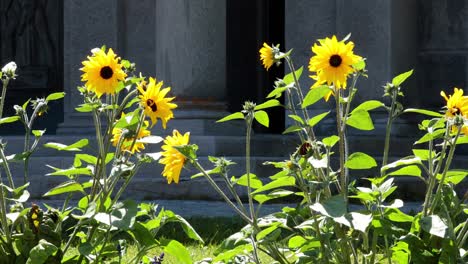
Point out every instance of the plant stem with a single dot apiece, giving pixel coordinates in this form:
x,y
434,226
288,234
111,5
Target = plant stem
x,y
388,128
341,134
444,173
220,192
2,100
6,166
3,217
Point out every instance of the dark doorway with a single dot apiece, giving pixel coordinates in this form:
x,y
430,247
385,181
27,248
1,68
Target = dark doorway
x,y
32,36
248,25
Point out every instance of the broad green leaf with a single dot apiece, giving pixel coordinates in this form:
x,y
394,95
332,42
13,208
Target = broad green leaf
x,y
227,255
55,96
360,65
267,231
84,157
155,156
453,176
85,108
188,229
292,129
423,154
262,117
280,182
356,221
401,253
41,252
462,140
422,111
267,104
359,161
434,225
360,119
262,198
402,162
412,170
297,118
71,171
255,182
395,215
22,198
9,119
142,235
277,92
333,207
66,187
289,78
177,250
330,141
398,80
314,120
439,133
315,94
122,217
73,147
368,105
150,140
296,242
236,115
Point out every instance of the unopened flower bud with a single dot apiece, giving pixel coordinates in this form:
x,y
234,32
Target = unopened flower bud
x,y
9,70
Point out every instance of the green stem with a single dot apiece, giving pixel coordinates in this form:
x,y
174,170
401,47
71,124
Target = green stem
x,y
374,246
444,173
388,128
339,127
3,218
387,249
220,192
6,166
432,179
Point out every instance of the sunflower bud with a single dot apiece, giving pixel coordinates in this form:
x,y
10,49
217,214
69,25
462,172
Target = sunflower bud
x,y
9,70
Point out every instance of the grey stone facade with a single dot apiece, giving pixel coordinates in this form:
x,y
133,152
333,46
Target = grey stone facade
x,y
183,42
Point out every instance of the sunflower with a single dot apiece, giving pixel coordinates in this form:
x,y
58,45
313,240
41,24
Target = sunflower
x,y
332,62
154,102
457,104
267,56
102,72
129,137
173,159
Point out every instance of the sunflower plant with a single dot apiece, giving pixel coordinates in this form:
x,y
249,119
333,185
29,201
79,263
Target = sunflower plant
x,y
125,109
337,221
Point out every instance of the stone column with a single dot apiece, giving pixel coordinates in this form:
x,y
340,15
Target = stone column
x,y
87,24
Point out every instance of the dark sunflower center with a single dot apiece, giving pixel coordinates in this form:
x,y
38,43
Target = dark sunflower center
x,y
456,110
152,105
335,60
106,72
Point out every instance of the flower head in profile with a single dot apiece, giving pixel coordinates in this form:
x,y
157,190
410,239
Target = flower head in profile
x,y
155,104
267,55
332,62
171,157
457,105
129,136
9,70
102,72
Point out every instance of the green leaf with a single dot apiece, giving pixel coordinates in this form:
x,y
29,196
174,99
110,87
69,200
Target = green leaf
x,y
297,119
315,94
359,161
360,119
150,140
142,235
9,119
356,221
431,136
398,80
236,115
262,117
296,242
66,187
255,182
265,232
395,215
85,108
289,78
412,170
333,207
402,162
462,140
423,154
177,250
38,133
434,225
71,171
262,198
422,111
122,216
84,157
330,141
73,147
360,65
268,104
277,92
280,182
41,252
314,120
55,96
292,129
368,105
453,176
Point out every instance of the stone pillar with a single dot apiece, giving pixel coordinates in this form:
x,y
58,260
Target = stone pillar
x,y
87,24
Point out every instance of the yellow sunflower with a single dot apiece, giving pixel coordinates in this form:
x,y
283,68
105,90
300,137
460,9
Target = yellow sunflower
x,y
457,104
171,158
266,56
129,137
155,103
102,72
332,62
